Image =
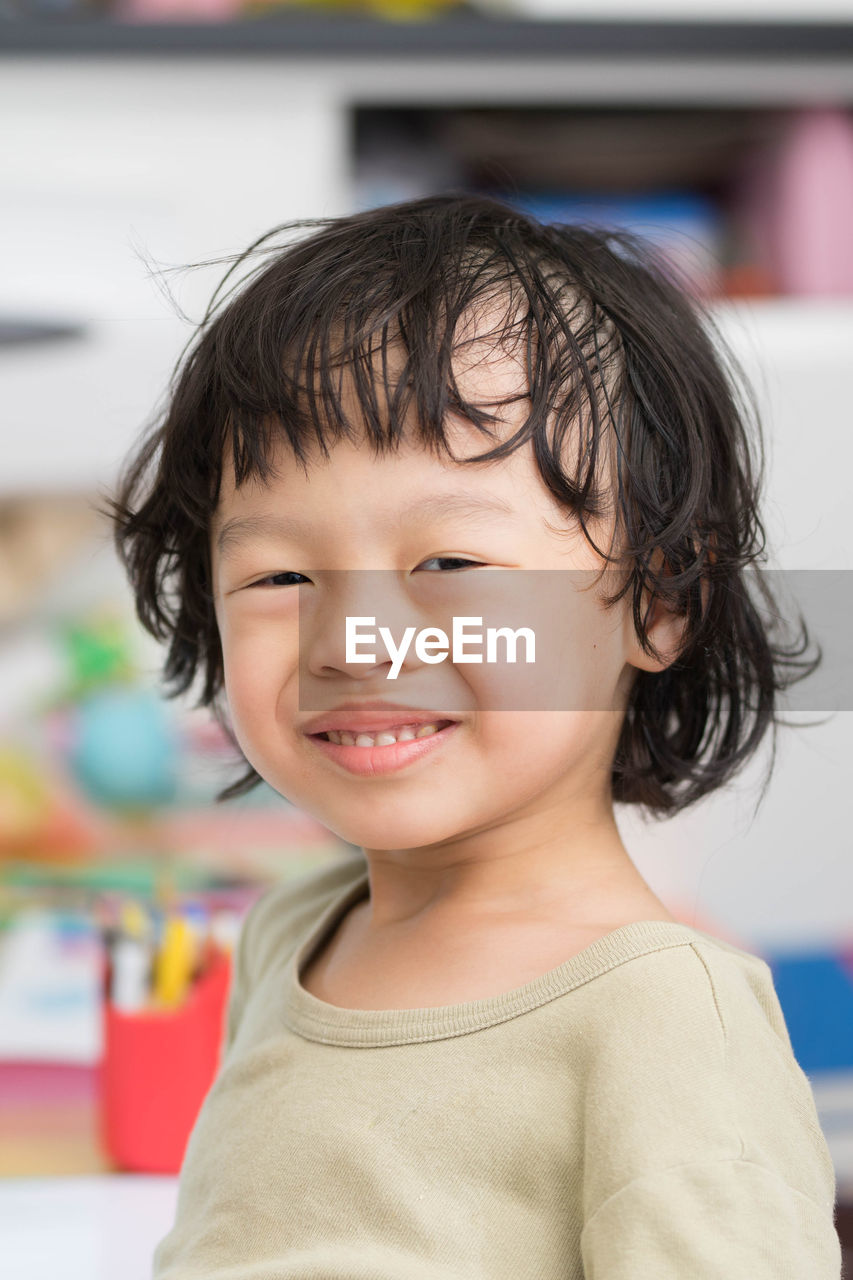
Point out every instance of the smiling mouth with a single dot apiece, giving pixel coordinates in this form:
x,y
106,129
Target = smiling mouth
x,y
384,737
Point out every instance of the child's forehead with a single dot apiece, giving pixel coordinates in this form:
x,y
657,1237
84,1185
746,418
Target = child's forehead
x,y
406,490
410,467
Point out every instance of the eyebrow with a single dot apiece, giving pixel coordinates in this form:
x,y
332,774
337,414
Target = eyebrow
x,y
466,506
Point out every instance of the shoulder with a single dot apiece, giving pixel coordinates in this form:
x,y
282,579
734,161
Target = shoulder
x,y
692,1061
744,993
681,981
708,974
287,909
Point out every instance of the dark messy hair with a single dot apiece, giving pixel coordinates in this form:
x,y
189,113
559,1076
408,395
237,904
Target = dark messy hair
x,y
611,339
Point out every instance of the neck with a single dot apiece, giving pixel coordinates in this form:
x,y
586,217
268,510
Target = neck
x,y
581,872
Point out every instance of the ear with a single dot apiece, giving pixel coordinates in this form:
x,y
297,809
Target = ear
x,y
664,628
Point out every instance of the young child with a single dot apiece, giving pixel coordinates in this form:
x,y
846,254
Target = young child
x,y
484,1049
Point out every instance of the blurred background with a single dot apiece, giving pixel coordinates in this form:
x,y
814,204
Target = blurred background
x,y
139,136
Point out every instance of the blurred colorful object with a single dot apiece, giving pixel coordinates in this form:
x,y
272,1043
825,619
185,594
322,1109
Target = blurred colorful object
x,y
98,653
176,10
685,227
23,795
815,990
395,10
50,974
223,10
123,751
38,813
794,201
155,1072
38,535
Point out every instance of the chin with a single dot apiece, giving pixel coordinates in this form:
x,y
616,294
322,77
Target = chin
x,y
389,828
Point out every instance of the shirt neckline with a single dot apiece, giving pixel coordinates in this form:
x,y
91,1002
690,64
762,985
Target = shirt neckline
x,y
316,1019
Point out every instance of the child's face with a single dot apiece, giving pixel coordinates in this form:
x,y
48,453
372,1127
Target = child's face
x,y
362,512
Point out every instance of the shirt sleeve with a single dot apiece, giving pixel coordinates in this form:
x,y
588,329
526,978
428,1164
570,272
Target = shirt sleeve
x,y
711,1220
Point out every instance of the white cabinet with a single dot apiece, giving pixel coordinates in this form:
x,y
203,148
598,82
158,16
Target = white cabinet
x,y
111,170
119,165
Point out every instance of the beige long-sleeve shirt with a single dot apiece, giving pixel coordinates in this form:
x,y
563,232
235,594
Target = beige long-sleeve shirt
x,y
635,1114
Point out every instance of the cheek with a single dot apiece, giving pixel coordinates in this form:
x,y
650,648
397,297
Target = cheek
x,y
585,666
579,659
258,660
542,745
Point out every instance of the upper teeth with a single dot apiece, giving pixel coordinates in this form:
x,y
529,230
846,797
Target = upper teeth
x,y
384,739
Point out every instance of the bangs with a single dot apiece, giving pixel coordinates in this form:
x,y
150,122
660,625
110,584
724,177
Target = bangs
x,y
379,346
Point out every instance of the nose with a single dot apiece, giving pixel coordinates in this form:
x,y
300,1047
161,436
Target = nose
x,y
365,594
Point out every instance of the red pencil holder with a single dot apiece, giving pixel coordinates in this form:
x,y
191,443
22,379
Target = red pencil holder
x,y
155,1072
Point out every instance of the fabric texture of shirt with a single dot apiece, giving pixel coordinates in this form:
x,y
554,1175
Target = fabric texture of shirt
x,y
636,1113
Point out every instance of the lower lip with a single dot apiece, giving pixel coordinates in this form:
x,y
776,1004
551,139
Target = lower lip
x,y
369,761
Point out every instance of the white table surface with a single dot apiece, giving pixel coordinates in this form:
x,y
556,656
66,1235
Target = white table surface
x,y
84,1228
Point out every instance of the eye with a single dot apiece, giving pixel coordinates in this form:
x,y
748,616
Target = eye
x,y
270,579
452,560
